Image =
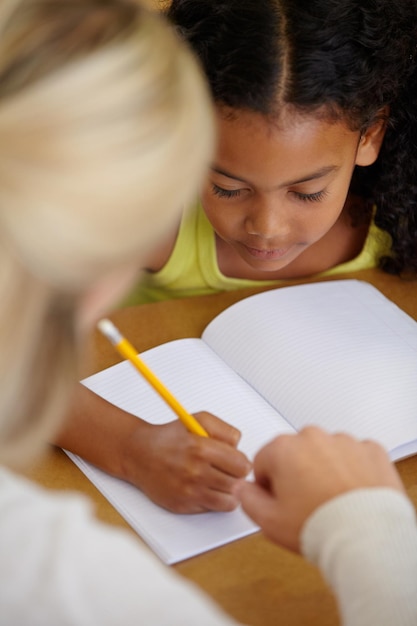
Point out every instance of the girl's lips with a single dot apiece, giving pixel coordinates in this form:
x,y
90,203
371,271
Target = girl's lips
x,y
265,254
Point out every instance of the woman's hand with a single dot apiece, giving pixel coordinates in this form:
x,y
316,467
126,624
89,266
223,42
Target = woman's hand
x,y
295,474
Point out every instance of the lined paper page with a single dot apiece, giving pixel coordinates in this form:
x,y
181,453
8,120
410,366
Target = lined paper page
x,y
200,381
338,354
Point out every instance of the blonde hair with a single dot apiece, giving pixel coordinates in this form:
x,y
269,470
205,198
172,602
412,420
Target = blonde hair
x,y
106,130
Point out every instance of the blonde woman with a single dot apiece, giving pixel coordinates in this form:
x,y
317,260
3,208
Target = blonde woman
x,y
97,99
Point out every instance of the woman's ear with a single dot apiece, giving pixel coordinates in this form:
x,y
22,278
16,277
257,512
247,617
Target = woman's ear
x,y
371,141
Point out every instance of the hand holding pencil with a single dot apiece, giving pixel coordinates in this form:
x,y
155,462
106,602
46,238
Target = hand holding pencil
x,y
178,470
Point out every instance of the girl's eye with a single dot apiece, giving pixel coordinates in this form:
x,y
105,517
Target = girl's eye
x,y
225,193
311,197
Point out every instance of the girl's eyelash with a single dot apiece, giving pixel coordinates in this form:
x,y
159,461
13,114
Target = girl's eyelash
x,y
304,197
225,193
311,197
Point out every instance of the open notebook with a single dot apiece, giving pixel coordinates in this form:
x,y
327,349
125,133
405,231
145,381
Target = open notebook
x,y
338,354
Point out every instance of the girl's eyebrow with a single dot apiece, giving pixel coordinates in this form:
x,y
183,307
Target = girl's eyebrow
x,y
222,172
323,171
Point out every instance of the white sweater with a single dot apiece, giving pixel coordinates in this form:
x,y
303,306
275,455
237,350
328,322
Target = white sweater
x,y
60,566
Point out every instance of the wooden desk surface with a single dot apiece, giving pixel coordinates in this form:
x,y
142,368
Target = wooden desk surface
x,y
255,581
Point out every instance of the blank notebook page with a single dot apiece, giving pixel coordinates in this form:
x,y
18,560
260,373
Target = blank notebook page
x,y
338,354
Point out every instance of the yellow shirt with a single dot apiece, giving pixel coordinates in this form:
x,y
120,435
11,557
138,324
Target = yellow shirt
x,y
192,268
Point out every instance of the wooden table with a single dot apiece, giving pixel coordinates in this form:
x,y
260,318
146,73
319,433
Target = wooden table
x,y
255,581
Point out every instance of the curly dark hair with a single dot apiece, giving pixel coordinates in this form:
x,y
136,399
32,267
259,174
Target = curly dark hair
x,y
350,57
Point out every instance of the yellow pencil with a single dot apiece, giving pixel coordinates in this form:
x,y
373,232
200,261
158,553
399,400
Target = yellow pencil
x,y
125,349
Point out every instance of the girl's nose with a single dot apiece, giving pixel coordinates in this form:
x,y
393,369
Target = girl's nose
x,y
267,219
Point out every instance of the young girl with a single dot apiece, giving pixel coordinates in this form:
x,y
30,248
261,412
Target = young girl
x,y
303,181
314,174
96,99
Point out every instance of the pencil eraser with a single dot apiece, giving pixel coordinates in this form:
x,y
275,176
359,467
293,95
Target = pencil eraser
x,y
109,330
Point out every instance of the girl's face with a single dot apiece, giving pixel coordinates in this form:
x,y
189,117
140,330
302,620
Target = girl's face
x,y
276,189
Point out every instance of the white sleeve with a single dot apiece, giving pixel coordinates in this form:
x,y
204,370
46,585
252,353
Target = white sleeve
x,y
59,565
365,544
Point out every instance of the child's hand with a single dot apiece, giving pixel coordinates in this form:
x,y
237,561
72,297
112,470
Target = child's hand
x,y
297,473
186,473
